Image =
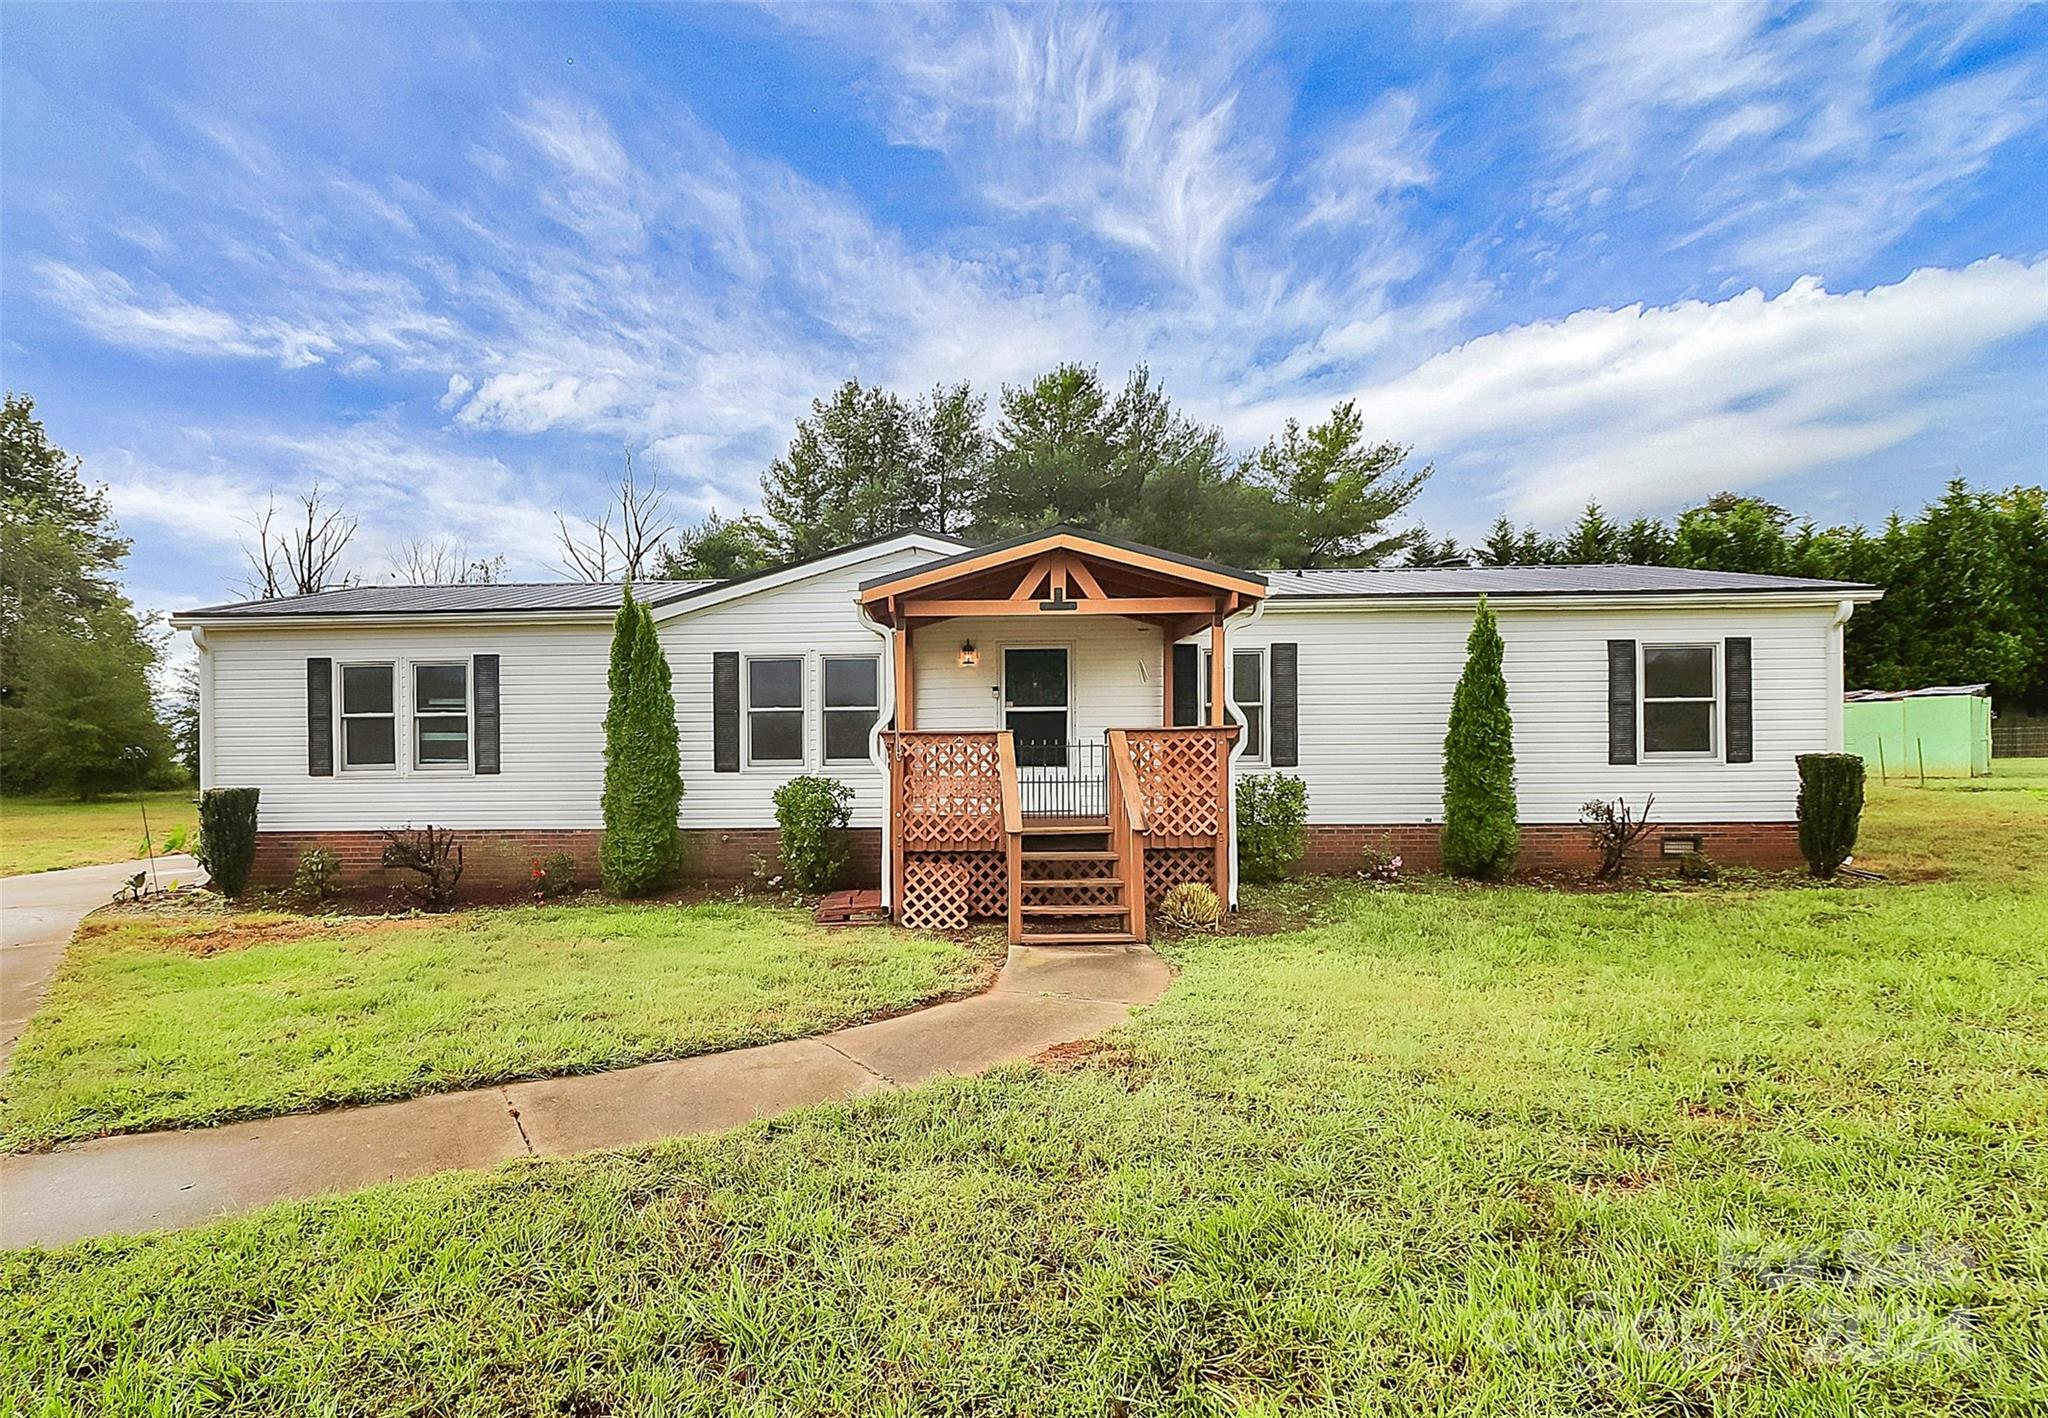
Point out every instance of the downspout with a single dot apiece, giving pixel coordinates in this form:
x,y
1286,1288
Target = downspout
x,y
1245,620
1834,680
205,707
887,681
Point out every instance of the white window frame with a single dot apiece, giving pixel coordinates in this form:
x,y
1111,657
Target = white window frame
x,y
342,716
802,709
1263,702
1716,719
414,714
827,710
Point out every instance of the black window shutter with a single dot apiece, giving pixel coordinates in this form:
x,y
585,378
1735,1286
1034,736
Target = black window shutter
x,y
1187,685
1621,701
725,712
320,718
484,677
1284,732
1741,707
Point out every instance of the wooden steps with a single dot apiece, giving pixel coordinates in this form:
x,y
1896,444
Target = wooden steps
x,y
1063,859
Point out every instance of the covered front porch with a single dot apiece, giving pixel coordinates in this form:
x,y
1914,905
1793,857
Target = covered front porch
x,y
1060,737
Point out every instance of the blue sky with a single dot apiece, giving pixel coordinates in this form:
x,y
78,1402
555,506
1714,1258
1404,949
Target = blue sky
x,y
452,261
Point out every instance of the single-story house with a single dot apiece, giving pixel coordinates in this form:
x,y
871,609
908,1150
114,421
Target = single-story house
x,y
1048,730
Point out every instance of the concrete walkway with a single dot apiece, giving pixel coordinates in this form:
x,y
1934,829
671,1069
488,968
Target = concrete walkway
x,y
39,912
1045,995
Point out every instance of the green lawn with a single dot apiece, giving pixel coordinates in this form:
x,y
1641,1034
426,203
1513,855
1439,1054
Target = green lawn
x,y
1727,1150
154,1023
43,833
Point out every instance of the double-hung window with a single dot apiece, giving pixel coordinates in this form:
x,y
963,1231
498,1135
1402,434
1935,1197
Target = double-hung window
x,y
369,717
1248,689
775,710
852,703
1681,700
440,715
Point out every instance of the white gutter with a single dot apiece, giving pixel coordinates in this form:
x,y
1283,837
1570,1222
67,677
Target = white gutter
x,y
1716,600
400,618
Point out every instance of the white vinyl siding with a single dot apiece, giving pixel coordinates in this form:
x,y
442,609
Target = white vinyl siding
x,y
551,739
1113,664
812,618
1375,692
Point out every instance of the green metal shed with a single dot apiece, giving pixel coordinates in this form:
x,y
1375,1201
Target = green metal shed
x,y
1943,731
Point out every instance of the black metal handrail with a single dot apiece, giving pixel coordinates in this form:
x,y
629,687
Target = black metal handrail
x,y
1062,779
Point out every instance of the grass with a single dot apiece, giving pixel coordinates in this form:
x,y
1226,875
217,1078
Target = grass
x,y
155,1022
1733,1150
45,833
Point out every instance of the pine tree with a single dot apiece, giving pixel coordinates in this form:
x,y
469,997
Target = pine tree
x,y
1479,833
643,782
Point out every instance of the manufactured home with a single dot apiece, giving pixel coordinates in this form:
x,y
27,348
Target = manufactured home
x,y
1048,731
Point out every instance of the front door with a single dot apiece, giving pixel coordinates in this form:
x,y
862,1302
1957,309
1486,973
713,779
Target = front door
x,y
1035,704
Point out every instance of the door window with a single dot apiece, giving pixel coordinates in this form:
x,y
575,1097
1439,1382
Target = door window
x,y
1035,705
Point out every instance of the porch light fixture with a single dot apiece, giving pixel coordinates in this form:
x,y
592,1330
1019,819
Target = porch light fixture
x,y
968,658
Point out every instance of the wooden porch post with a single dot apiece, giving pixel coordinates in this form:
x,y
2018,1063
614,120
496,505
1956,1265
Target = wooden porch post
x,y
1219,666
906,688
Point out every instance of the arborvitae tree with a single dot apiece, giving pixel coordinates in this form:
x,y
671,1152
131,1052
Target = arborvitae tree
x,y
643,780
1480,838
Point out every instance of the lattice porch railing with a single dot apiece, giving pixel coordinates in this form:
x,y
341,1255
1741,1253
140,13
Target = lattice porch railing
x,y
1181,784
949,859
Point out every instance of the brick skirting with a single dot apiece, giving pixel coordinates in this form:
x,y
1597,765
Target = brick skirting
x,y
1557,846
500,859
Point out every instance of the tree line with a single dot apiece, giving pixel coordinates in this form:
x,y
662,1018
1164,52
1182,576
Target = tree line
x,y
1965,579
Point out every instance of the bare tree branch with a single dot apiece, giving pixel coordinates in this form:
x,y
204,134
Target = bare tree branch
x,y
438,561
624,542
301,559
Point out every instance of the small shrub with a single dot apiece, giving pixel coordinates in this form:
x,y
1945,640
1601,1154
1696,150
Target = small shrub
x,y
1830,809
317,876
1379,864
1191,906
432,855
1698,866
227,836
1615,831
1480,835
811,814
554,876
133,889
178,838
1272,825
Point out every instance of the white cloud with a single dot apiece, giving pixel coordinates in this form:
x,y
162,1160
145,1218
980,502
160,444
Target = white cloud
x,y
1645,408
1153,146
1789,139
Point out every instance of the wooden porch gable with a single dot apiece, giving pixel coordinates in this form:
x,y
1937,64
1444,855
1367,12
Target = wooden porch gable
x,y
1062,572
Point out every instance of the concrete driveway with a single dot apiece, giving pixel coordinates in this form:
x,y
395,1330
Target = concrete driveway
x,y
37,916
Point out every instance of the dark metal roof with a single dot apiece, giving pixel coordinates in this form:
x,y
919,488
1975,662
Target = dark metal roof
x,y
1533,581
970,552
502,598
